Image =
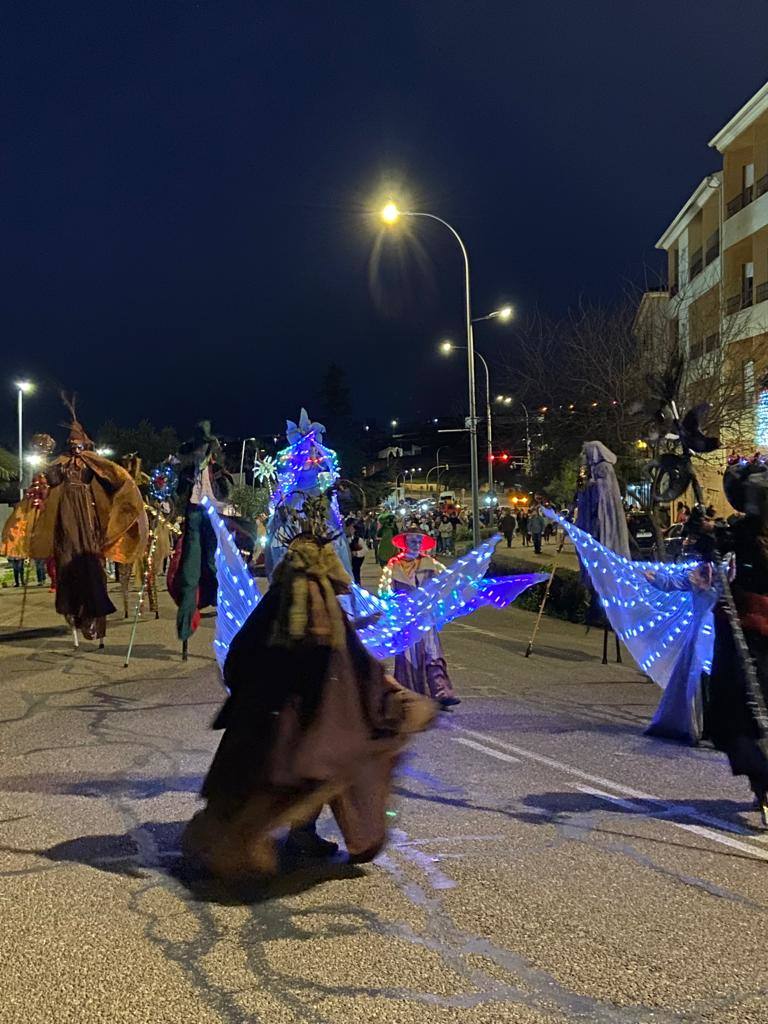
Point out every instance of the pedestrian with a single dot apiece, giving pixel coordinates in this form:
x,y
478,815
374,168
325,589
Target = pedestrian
x,y
17,564
357,550
446,533
40,564
536,523
507,527
522,528
422,667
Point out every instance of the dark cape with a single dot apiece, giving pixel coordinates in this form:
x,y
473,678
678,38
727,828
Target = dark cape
x,y
735,721
304,726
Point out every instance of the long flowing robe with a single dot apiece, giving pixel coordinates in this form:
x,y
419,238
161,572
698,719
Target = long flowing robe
x,y
93,511
421,667
736,723
303,727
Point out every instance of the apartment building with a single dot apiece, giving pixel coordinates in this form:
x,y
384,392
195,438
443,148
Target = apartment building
x,y
717,254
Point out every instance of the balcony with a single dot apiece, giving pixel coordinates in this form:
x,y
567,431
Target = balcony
x,y
761,292
696,265
712,250
761,185
743,300
744,198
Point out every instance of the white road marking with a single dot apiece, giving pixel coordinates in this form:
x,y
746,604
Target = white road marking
x,y
485,632
487,750
664,805
698,830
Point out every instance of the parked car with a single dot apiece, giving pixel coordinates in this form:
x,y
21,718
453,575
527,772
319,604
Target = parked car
x,y
642,541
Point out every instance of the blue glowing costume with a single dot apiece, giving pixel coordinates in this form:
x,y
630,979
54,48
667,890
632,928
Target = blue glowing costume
x,y
305,469
386,625
666,623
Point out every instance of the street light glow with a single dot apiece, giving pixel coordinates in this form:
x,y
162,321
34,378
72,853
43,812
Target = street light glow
x,y
446,347
104,452
25,386
505,313
35,459
393,423
390,213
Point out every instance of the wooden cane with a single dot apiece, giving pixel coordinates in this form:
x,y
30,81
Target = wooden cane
x,y
140,601
544,598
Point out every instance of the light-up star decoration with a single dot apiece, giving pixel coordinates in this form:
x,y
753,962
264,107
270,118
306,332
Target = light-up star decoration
x,y
666,624
305,469
400,618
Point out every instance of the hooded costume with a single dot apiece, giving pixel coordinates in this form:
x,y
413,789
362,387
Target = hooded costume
x,y
421,667
600,508
93,511
737,720
311,719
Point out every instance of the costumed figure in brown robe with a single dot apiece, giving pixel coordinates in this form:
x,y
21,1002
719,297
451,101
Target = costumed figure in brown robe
x,y
736,715
422,667
312,719
93,511
18,529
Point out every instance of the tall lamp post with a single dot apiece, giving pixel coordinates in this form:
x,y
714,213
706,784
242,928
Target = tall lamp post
x,y
390,214
508,400
23,387
242,457
446,347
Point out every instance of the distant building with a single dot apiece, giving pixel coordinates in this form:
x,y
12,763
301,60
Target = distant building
x,y
717,260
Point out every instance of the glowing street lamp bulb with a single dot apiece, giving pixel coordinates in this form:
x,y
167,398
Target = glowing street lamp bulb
x,y
393,423
24,385
505,313
104,452
390,214
446,347
507,401
34,459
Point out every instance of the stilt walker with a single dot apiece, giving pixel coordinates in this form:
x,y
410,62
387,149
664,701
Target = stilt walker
x,y
93,511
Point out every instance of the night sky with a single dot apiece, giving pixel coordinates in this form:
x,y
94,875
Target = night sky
x,y
187,186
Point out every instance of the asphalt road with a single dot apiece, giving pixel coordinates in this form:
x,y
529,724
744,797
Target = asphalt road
x,y
548,862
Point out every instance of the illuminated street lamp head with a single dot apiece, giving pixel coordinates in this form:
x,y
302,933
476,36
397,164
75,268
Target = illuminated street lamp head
x,y
505,313
446,347
104,452
24,385
393,423
390,213
34,459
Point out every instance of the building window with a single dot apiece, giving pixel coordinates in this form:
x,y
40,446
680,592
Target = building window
x,y
748,380
747,283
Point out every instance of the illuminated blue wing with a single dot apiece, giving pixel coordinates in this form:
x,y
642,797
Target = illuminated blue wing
x,y
237,594
666,624
456,591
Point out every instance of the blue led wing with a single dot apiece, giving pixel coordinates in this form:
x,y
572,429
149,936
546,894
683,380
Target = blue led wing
x,y
238,594
456,591
664,623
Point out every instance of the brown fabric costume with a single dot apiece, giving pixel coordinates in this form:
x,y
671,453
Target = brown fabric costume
x,y
93,511
312,719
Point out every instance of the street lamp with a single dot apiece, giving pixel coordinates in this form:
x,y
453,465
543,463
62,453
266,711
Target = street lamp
x,y
507,400
242,457
446,347
390,214
104,452
504,314
393,423
23,387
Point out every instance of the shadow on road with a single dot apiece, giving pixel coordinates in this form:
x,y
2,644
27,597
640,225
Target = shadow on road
x,y
35,633
156,847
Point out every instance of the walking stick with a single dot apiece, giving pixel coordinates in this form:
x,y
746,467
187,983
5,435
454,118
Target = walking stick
x,y
144,581
544,598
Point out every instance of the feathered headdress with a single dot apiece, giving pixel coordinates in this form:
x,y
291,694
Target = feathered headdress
x,y
77,432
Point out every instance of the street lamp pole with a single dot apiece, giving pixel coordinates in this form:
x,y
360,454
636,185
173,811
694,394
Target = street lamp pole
x,y
22,386
473,463
242,457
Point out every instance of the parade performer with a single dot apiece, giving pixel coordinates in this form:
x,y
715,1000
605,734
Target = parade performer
x,y
737,719
20,525
420,667
311,719
93,511
600,508
192,574
305,469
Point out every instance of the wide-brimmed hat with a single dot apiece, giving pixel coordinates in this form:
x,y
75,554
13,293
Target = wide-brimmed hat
x,y
427,543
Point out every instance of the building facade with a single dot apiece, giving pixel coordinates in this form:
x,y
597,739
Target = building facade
x,y
717,310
